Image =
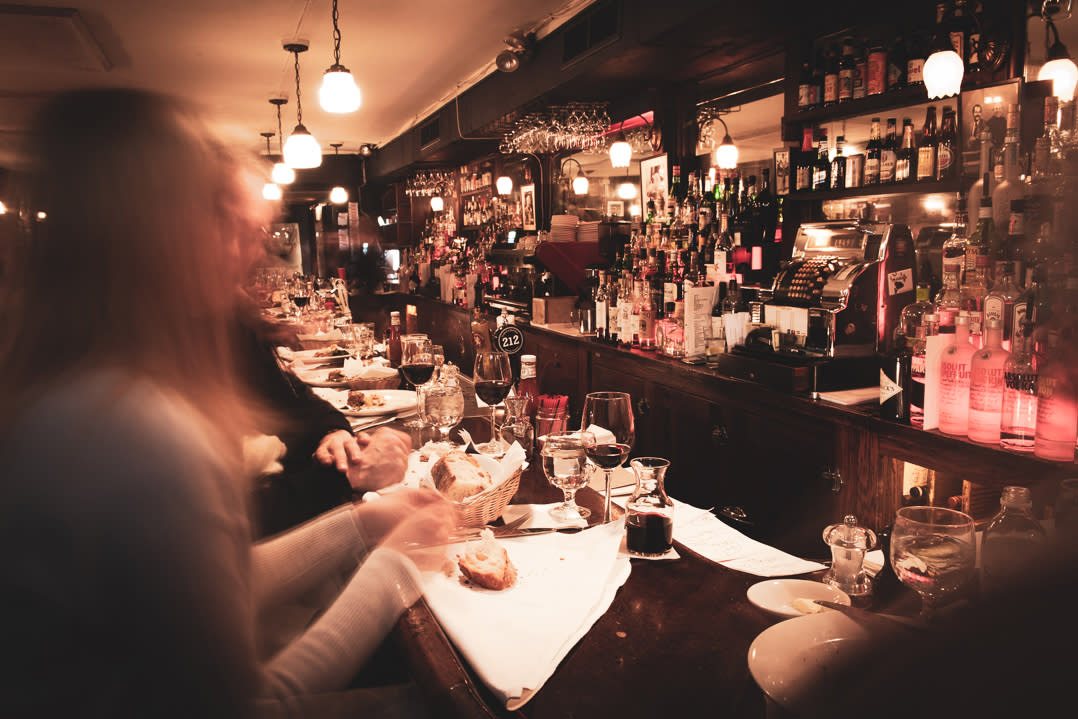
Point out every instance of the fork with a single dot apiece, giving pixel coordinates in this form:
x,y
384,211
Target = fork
x,y
474,533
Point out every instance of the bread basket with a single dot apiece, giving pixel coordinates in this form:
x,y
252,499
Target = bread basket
x,y
485,507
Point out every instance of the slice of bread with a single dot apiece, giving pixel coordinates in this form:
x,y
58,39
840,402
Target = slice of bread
x,y
457,475
487,564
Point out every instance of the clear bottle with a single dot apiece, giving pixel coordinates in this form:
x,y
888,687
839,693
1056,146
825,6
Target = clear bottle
x,y
601,312
954,381
972,294
1018,421
986,385
929,328
1013,542
1011,186
984,168
948,300
528,384
1057,406
999,303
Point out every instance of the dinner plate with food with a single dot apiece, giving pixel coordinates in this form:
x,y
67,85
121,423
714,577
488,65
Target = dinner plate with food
x,y
322,355
368,403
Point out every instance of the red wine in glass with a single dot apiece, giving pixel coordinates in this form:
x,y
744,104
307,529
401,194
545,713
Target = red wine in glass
x,y
608,455
300,301
492,391
418,373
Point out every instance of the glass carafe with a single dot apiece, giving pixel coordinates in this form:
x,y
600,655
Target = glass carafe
x,y
649,520
849,543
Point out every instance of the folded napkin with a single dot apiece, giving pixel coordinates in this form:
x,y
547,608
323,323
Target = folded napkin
x,y
602,436
514,639
539,517
417,475
367,370
333,335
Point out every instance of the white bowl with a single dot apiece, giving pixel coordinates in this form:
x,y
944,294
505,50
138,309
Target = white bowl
x,y
777,596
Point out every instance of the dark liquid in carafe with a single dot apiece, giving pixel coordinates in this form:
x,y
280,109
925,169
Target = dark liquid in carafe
x,y
649,533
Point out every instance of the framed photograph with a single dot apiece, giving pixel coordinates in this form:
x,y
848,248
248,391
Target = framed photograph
x,y
615,208
527,207
984,109
653,183
782,171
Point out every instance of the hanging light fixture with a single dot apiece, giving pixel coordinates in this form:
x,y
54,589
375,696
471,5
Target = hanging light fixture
x,y
580,182
338,195
504,184
943,69
339,93
621,152
627,190
1059,67
726,153
301,150
437,203
270,190
282,174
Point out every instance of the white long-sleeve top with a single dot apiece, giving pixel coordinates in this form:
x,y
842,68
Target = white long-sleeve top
x,y
128,582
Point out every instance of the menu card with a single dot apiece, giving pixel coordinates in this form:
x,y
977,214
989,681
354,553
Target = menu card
x,y
699,302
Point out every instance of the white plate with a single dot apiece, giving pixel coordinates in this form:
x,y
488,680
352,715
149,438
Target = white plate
x,y
310,357
320,377
397,400
777,595
799,663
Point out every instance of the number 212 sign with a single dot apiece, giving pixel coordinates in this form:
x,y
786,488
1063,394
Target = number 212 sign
x,y
509,339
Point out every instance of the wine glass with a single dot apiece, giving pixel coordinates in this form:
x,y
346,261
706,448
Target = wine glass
x,y
613,412
493,379
564,460
417,366
933,552
443,407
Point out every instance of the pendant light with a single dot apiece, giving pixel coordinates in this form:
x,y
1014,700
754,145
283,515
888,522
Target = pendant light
x,y
339,93
1059,68
437,203
621,152
943,69
301,150
282,174
338,195
726,153
270,190
504,184
580,182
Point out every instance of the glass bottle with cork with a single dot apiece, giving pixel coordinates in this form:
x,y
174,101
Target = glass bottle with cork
x,y
393,339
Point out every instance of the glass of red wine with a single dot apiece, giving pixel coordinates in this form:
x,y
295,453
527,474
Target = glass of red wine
x,y
609,416
417,366
493,378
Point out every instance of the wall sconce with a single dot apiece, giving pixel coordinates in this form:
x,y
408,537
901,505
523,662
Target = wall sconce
x,y
1059,67
301,149
621,152
518,48
504,184
339,92
726,153
580,182
338,195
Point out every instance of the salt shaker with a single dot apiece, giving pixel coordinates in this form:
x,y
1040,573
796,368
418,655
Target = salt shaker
x,y
849,543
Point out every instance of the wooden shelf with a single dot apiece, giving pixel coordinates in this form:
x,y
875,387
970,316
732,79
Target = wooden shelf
x,y
904,188
485,189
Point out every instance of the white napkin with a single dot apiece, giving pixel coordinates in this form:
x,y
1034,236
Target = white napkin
x,y
366,370
333,335
417,475
515,639
602,436
539,516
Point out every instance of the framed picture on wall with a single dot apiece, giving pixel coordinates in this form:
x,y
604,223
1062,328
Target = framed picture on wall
x,y
615,208
653,183
527,206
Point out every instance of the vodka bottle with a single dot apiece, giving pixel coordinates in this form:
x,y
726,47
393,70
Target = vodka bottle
x,y
1011,186
954,381
986,385
1057,407
1018,421
999,302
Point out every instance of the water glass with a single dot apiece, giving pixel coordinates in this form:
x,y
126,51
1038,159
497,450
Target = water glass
x,y
565,466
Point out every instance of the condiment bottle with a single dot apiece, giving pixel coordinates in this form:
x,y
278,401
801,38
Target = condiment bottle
x,y
528,385
393,338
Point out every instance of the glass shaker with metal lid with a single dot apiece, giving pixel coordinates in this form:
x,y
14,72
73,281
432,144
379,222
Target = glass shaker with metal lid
x,y
849,543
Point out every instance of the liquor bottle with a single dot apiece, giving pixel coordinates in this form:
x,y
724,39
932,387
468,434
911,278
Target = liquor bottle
x,y
830,77
846,68
947,159
896,380
816,90
915,60
926,149
625,311
613,318
896,65
872,154
1010,187
999,302
803,169
978,248
889,153
838,165
1018,420
601,312
985,166
876,70
929,328
948,301
986,385
821,168
1013,541
906,156
860,70
732,302
393,338
973,292
1057,405
954,381
958,27
528,384
804,85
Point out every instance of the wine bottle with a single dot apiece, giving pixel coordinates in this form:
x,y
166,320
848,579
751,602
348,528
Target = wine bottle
x,y
872,154
947,147
926,149
889,153
906,157
896,380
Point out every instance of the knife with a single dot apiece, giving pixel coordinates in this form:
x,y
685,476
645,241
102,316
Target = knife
x,y
870,619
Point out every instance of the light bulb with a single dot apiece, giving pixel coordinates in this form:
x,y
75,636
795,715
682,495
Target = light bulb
x,y
437,203
301,150
943,74
271,191
339,93
282,174
504,184
726,154
621,153
338,195
580,185
1064,76
626,190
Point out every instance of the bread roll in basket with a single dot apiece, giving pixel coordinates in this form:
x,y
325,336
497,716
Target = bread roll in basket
x,y
472,488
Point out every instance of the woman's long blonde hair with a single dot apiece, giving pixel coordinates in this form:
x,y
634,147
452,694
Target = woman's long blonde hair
x,y
136,262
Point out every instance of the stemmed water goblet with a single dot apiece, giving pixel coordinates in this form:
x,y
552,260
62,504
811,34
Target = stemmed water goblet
x,y
443,404
564,457
933,552
493,378
613,412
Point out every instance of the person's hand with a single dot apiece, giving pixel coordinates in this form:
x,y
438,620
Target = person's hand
x,y
383,458
338,448
406,516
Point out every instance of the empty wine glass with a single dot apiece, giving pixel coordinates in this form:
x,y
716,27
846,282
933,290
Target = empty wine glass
x,y
443,403
493,377
613,412
933,552
564,464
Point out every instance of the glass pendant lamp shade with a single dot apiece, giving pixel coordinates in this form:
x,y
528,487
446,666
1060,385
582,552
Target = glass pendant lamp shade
x,y
726,154
301,150
621,152
339,92
282,174
580,184
271,191
504,185
1064,76
627,190
437,203
943,74
338,195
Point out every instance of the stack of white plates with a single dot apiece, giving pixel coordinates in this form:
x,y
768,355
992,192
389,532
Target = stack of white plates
x,y
588,232
563,228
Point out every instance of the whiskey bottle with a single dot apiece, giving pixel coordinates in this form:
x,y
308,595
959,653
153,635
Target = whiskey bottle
x,y
947,159
906,156
926,150
888,153
872,154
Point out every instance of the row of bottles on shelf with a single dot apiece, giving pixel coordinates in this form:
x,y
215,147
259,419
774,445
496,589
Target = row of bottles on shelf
x,y
472,180
856,68
476,210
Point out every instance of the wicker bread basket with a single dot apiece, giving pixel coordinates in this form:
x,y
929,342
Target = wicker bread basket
x,y
483,508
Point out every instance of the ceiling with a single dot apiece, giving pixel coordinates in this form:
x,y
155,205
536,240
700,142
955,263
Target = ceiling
x,y
409,58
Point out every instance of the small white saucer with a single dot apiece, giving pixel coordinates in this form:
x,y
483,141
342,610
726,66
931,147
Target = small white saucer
x,y
777,595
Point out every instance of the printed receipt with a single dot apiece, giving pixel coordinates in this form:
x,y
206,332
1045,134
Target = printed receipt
x,y
708,536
